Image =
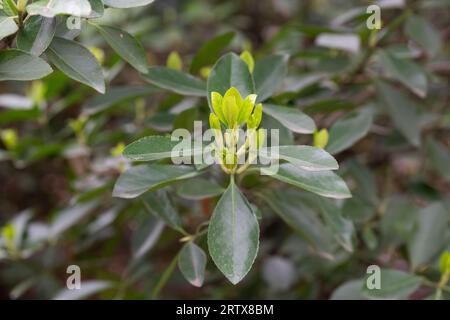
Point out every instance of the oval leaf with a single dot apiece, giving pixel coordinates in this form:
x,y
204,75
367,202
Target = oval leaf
x,y
291,118
175,81
21,66
192,263
233,235
51,8
7,26
127,3
76,62
324,183
268,74
36,35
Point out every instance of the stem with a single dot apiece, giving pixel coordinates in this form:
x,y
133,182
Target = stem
x,y
165,277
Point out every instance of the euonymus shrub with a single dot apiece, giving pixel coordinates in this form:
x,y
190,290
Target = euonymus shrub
x,y
236,91
37,34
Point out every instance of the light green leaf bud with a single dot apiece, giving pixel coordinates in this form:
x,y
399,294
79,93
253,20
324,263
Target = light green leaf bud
x,y
248,59
216,101
230,111
247,108
444,263
255,119
233,92
321,138
261,135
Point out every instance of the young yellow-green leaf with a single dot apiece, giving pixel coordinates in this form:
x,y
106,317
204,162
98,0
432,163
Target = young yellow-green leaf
x,y
126,47
423,33
10,8
192,263
137,180
268,74
394,284
233,235
248,59
407,72
155,148
348,130
304,157
21,66
175,81
36,35
7,26
76,62
127,3
199,189
404,111
210,51
291,118
444,263
230,71
324,183
51,8
321,138
174,61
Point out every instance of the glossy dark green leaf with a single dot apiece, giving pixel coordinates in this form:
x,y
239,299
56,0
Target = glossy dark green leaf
x,y
127,3
348,130
22,66
423,33
160,204
114,96
192,263
429,237
395,284
291,118
137,180
36,35
126,46
199,189
7,26
76,62
175,81
233,235
156,148
230,71
210,51
51,8
406,72
304,157
404,111
324,183
268,74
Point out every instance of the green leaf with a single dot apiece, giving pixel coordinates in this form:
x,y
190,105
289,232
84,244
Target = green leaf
x,y
294,211
126,47
22,66
137,180
430,236
51,8
342,228
404,111
146,236
407,72
67,218
305,157
348,130
36,35
115,96
324,183
350,290
127,3
424,34
155,148
395,284
76,62
230,71
159,204
88,288
199,189
192,263
233,235
10,8
347,42
210,51
175,81
7,26
268,74
291,118
439,157
98,9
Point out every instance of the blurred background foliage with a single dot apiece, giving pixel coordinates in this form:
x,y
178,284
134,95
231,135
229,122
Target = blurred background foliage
x,y
383,96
